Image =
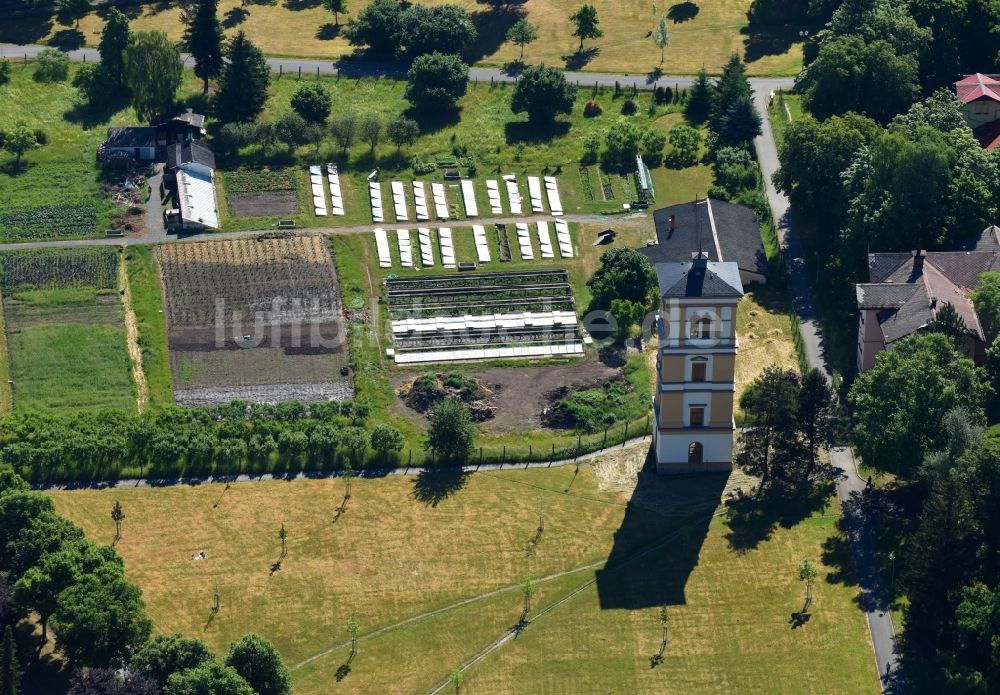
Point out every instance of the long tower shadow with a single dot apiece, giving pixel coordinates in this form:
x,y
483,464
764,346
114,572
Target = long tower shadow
x,y
658,544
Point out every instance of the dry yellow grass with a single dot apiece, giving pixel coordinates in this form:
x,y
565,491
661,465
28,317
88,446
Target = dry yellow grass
x,y
706,40
765,334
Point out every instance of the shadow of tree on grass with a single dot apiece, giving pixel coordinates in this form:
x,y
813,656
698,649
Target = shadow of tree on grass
x,y
234,16
436,485
682,12
68,39
579,59
752,522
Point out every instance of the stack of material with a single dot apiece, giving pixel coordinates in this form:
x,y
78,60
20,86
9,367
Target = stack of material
x,y
447,248
482,248
319,198
493,191
405,248
562,236
513,195
440,201
524,241
382,246
544,240
552,190
420,201
469,196
375,193
335,194
426,253
399,201
535,193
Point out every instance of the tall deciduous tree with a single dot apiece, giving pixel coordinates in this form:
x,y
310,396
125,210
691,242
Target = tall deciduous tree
x,y
447,29
378,27
624,273
244,82
20,140
203,40
436,81
344,129
312,101
167,654
899,404
661,36
586,24
260,665
521,33
72,10
543,93
153,72
770,404
335,6
210,677
621,144
451,430
115,38
402,131
385,439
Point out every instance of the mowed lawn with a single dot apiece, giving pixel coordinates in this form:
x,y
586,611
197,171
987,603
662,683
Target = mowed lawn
x,y
69,355
407,546
701,34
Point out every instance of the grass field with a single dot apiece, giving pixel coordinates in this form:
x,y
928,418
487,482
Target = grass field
x,y
147,302
444,542
785,111
67,352
702,34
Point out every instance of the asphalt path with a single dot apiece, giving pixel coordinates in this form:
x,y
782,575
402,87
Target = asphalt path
x,y
872,598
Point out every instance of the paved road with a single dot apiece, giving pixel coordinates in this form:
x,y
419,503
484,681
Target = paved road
x,y
352,68
872,598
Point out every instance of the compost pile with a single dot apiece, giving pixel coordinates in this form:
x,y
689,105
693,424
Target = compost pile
x,y
424,392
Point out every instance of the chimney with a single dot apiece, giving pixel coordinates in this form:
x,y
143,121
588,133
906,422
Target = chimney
x,y
918,261
699,259
933,302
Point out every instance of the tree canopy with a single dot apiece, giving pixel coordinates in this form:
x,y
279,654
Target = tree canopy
x,y
521,33
586,24
203,40
260,665
451,431
543,93
244,81
153,72
167,654
436,81
624,273
312,101
115,38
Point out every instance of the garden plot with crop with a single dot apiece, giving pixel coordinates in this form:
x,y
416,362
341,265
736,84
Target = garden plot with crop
x,y
254,319
261,193
485,316
65,329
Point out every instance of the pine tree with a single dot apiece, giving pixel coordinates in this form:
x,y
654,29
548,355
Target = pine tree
x,y
10,669
115,38
244,81
729,90
700,102
203,40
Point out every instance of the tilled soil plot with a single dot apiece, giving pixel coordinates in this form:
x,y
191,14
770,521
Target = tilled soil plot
x,y
254,319
264,205
520,394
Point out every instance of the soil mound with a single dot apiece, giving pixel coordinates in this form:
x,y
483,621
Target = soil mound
x,y
424,392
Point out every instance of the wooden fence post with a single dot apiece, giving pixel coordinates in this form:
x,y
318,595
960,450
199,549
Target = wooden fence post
x,y
625,438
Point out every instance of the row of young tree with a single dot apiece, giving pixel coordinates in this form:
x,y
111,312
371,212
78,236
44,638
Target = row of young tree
x,y
78,588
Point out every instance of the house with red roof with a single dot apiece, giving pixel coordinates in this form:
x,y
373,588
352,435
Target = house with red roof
x,y
980,98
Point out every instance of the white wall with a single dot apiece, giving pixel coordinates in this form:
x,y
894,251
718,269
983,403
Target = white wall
x,y
672,451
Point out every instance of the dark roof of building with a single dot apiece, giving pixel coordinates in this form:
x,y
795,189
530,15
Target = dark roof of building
x,y
988,135
909,289
187,117
735,227
699,279
192,151
131,137
977,86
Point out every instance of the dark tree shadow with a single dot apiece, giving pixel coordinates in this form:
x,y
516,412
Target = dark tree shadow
x,y
579,59
68,39
773,41
297,5
533,133
434,486
682,12
23,30
12,168
234,16
328,31
491,30
799,619
342,671
130,11
432,121
653,553
90,115
837,554
753,521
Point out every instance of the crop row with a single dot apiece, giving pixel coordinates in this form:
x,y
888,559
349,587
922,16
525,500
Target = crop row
x,y
245,183
55,268
481,309
47,221
475,296
472,281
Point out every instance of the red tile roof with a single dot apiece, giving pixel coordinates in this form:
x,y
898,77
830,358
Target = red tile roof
x,y
977,86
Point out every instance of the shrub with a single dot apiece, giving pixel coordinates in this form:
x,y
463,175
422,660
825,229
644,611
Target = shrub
x,y
629,107
652,144
622,144
51,66
451,432
436,81
312,102
543,92
685,142
4,71
592,109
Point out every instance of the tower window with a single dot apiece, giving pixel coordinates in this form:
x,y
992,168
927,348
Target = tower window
x,y
697,416
696,452
701,328
698,371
